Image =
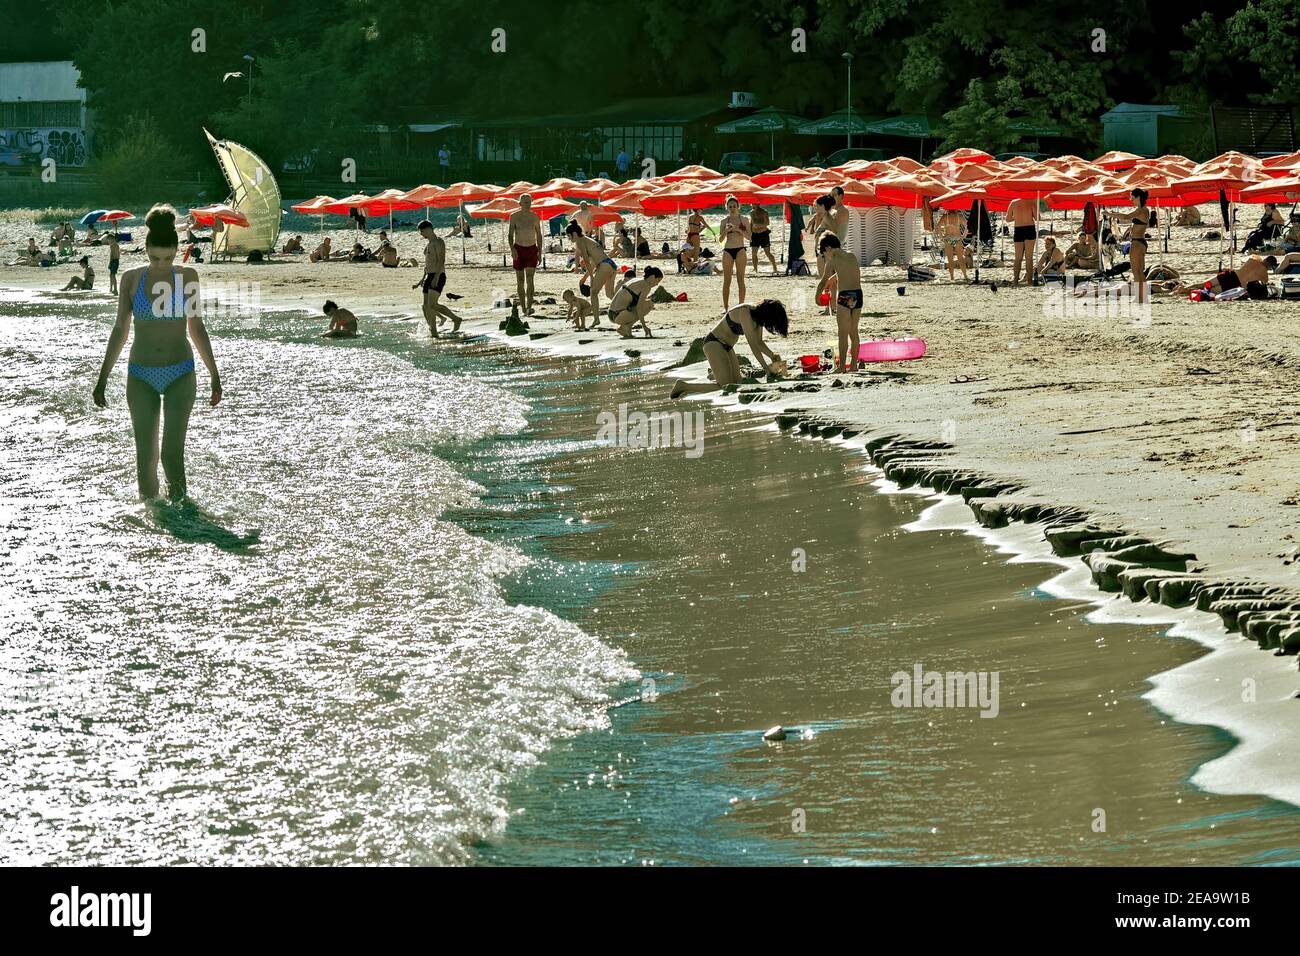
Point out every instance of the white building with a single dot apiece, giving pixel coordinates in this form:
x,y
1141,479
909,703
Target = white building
x,y
43,112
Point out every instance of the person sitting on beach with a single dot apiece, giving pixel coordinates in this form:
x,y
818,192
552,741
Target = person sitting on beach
x,y
1023,214
1083,253
842,268
322,252
343,324
114,260
577,310
293,245
642,246
57,234
1270,227
623,243
84,281
387,255
359,253
720,344
949,232
1188,216
1053,259
631,302
598,269
66,240
760,236
32,257
92,237
1252,269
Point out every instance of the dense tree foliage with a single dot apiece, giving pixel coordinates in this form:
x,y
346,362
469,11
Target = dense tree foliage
x,y
326,68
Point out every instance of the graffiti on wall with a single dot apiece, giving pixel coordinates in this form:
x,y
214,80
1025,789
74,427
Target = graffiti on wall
x,y
67,147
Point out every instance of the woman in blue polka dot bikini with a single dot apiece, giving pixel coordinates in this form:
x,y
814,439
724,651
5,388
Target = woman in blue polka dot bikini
x,y
164,302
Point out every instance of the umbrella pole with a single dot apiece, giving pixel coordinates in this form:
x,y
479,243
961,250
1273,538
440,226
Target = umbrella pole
x,y
461,207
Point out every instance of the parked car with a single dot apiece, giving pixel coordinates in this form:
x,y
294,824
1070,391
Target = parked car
x,y
747,163
842,156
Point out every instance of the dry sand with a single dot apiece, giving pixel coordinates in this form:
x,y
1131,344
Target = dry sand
x,y
1181,429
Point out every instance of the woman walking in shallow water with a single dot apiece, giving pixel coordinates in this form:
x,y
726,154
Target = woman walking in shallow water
x,y
160,383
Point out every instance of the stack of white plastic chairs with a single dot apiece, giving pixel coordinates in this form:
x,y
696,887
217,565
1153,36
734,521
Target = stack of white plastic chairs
x,y
881,233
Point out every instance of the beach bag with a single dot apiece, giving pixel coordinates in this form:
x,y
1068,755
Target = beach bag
x,y
797,267
1256,289
1229,294
919,273
1291,289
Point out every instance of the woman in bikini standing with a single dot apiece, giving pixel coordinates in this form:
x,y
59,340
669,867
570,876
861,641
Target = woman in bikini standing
x,y
734,231
720,344
160,374
694,226
1139,219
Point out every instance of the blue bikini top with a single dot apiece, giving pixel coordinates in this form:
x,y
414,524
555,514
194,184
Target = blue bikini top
x,y
142,308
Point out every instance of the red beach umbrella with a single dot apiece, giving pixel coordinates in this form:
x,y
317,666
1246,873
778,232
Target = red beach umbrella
x,y
559,186
553,206
517,189
692,172
1116,159
776,177
459,193
499,208
216,212
907,190
591,189
962,156
341,207
1284,189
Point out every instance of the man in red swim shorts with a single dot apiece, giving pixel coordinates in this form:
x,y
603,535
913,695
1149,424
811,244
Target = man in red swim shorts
x,y
525,237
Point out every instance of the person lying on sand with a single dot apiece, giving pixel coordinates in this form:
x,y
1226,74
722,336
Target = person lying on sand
x,y
1252,269
720,344
577,310
842,268
632,302
1287,261
322,252
343,324
84,281
1052,259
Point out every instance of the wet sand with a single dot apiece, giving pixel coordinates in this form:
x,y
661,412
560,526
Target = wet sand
x,y
692,560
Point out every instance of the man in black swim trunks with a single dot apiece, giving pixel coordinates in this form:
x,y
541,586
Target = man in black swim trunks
x,y
1023,214
435,280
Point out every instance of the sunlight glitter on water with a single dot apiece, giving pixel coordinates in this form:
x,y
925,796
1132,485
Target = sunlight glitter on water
x,y
308,659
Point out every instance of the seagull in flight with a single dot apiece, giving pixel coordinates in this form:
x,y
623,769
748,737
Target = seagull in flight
x,y
229,75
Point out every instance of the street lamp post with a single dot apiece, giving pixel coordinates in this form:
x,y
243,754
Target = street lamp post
x,y
848,105
249,58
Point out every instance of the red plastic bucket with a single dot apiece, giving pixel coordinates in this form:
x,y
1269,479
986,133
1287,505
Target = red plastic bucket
x,y
810,363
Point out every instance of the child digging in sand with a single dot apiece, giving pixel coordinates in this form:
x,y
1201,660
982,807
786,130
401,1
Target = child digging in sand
x,y
577,311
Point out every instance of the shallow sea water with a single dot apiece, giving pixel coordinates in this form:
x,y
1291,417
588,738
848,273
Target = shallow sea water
x,y
419,613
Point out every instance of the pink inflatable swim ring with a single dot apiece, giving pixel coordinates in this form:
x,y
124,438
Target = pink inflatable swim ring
x,y
891,350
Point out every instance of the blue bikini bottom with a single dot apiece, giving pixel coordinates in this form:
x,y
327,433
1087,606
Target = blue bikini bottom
x,y
160,377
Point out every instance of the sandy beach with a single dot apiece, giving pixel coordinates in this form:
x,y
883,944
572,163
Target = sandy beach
x,y
1180,429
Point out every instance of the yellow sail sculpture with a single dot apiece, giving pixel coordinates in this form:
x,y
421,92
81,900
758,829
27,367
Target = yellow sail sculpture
x,y
254,192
